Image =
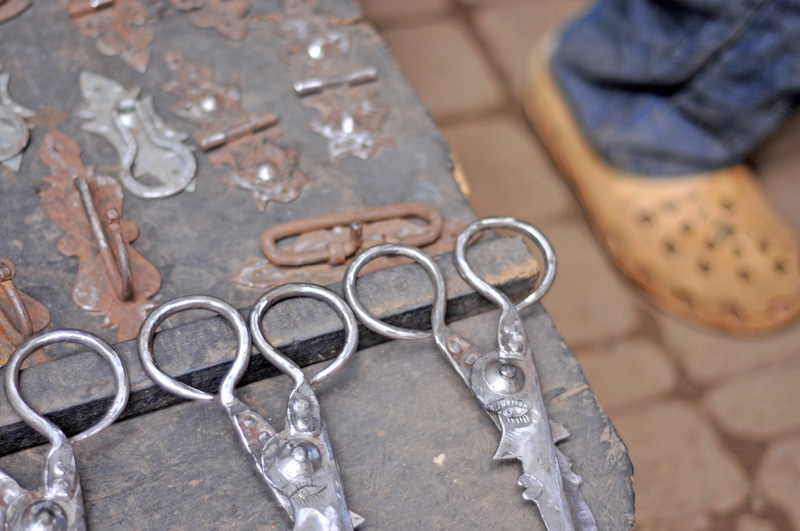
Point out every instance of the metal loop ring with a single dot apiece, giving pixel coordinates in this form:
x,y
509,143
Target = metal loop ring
x,y
276,357
483,287
195,302
38,422
374,324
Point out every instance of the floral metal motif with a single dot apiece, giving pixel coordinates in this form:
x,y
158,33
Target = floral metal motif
x,y
232,136
351,121
11,8
119,27
311,40
228,17
65,204
154,162
14,132
270,172
21,316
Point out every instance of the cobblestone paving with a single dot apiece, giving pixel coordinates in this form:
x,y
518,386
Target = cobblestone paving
x,y
712,422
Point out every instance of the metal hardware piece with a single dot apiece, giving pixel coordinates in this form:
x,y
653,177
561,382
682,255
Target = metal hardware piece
x,y
318,84
58,503
351,121
14,131
228,17
310,39
117,263
11,8
270,172
113,278
262,273
154,162
202,99
351,231
504,381
246,128
20,315
297,463
119,27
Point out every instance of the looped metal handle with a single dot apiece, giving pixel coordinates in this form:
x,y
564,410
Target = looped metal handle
x,y
41,424
117,263
7,271
276,357
376,325
483,287
195,302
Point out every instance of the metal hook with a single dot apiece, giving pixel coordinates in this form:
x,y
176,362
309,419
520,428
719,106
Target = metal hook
x,y
483,287
196,302
116,264
376,325
276,357
7,272
38,422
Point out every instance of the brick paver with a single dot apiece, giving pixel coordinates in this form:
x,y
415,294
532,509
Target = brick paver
x,y
779,476
708,355
759,405
501,161
588,302
628,373
511,30
447,68
394,12
683,475
697,408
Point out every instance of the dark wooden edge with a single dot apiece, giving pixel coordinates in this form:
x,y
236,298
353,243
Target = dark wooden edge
x,y
74,391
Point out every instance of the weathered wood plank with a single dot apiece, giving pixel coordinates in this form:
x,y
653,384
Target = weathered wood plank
x,y
74,390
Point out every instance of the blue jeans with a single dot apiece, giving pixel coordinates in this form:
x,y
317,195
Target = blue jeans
x,y
667,87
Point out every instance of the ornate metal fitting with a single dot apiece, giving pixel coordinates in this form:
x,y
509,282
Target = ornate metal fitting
x,y
113,278
202,99
119,27
318,84
311,40
270,172
239,131
20,315
11,8
14,130
154,162
322,246
351,121
58,504
228,17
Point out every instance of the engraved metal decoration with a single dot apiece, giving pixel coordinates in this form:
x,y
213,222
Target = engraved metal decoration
x,y
119,27
228,17
14,132
320,247
11,8
270,172
20,315
504,381
310,39
113,278
351,121
297,463
245,142
154,161
58,503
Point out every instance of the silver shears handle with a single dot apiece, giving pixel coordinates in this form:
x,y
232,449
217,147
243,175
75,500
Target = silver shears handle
x,y
58,503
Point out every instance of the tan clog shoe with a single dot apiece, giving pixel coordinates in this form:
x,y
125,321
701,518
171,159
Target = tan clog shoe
x,y
707,246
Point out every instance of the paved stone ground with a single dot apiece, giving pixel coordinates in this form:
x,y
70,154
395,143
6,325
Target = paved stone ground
x,y
712,422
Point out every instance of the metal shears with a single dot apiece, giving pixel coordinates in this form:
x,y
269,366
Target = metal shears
x,y
297,463
504,380
58,504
